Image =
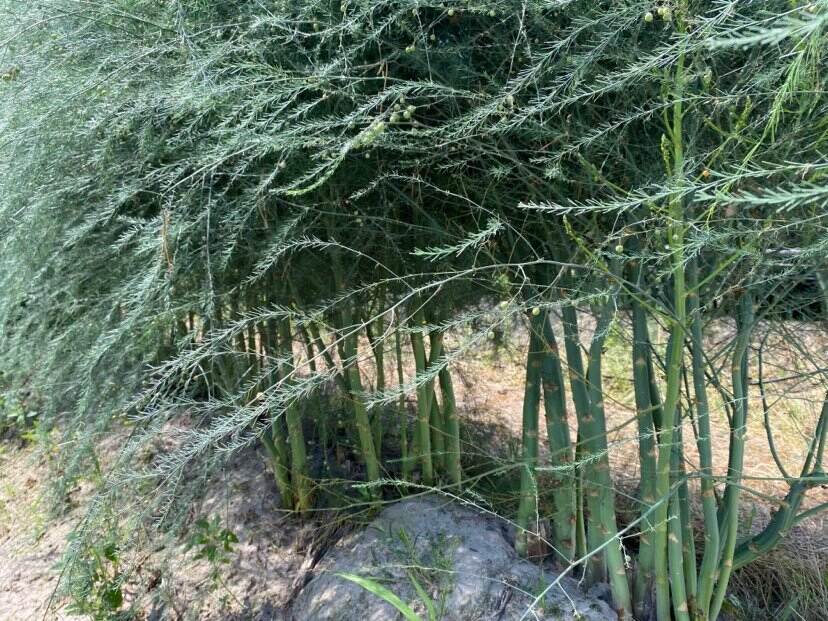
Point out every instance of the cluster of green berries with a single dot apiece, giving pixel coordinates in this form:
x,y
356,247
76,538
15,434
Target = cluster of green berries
x,y
401,113
372,133
505,304
507,104
663,12
378,127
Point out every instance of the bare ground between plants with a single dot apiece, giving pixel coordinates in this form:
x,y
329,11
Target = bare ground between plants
x,y
274,554
269,565
169,582
490,391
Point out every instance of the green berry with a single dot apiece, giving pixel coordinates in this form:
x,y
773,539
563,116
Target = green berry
x,y
648,17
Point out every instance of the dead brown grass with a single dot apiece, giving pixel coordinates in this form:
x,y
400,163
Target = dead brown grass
x,y
790,583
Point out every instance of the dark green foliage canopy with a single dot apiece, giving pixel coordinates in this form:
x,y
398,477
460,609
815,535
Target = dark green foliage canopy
x,y
237,163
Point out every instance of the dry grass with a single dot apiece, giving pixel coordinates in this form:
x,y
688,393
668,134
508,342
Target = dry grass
x,y
792,581
491,390
166,581
789,583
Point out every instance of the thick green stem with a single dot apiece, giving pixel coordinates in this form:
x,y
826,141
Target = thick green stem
x,y
423,402
664,574
274,439
298,460
437,422
596,431
675,233
438,444
560,446
598,487
252,350
779,526
277,450
738,431
354,381
596,570
452,428
675,538
375,338
646,455
688,543
822,279
710,557
319,418
407,465
527,509
580,521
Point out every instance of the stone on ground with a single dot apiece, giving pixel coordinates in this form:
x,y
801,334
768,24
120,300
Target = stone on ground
x,y
457,558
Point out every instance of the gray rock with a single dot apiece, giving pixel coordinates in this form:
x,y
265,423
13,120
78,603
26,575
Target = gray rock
x,y
459,558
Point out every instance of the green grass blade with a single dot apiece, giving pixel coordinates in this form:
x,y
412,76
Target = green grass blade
x,y
380,591
424,597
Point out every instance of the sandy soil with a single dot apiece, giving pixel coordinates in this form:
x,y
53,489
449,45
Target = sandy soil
x,y
275,554
30,545
265,568
491,391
